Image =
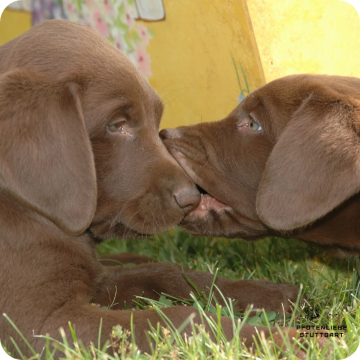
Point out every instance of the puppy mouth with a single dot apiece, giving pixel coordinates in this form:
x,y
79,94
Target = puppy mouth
x,y
207,204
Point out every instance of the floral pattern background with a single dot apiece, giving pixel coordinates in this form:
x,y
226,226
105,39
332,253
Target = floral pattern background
x,y
114,19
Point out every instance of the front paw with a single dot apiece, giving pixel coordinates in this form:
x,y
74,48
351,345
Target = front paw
x,y
292,342
298,340
277,297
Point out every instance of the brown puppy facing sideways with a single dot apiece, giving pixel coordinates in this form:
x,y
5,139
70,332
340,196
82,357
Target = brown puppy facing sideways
x,y
81,161
285,162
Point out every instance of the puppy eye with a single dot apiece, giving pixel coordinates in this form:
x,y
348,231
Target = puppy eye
x,y
117,127
254,126
249,124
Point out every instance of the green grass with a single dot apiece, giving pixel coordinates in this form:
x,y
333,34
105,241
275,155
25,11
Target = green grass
x,y
332,287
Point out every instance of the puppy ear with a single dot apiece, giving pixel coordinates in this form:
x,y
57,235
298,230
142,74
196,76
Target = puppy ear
x,y
46,161
315,164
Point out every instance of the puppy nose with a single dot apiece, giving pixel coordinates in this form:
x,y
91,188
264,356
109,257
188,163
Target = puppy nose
x,y
169,134
187,198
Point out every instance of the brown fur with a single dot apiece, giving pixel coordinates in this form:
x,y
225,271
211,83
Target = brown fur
x,y
296,177
67,181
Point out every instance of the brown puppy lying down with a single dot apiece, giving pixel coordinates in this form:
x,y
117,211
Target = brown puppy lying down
x,y
81,161
285,162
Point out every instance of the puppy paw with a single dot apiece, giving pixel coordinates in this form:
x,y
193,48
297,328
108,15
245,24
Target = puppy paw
x,y
298,340
265,295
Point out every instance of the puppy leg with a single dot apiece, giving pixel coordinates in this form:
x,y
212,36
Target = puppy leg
x,y
121,285
124,258
86,319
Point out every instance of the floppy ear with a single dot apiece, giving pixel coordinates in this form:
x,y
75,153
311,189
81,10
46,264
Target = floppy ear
x,y
315,164
46,161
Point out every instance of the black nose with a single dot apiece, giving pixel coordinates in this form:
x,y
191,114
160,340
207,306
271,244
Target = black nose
x,y
187,198
169,134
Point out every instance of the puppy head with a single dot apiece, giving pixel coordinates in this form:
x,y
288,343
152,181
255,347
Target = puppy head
x,y
141,188
81,129
269,167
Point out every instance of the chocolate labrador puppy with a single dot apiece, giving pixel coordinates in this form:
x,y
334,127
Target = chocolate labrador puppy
x,y
81,161
285,162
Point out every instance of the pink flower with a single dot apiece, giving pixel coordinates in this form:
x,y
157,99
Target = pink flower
x,y
130,21
109,9
143,33
143,60
100,25
70,8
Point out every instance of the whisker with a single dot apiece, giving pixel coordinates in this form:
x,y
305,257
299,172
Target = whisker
x,y
129,228
116,219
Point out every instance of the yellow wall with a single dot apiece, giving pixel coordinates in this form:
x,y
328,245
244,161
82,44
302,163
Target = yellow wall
x,y
314,36
13,23
191,50
191,59
191,55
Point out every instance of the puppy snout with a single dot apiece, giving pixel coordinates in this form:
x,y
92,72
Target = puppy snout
x,y
169,134
187,198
